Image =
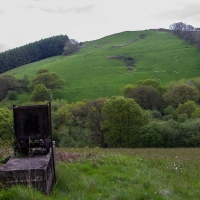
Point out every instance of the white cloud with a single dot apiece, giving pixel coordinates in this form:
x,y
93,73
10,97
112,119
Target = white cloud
x,y
63,10
26,21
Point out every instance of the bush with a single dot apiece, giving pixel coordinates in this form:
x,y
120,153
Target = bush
x,y
189,133
41,93
182,117
150,135
155,114
12,95
6,124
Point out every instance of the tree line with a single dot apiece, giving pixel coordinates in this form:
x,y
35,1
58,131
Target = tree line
x,y
145,115
186,32
32,52
40,87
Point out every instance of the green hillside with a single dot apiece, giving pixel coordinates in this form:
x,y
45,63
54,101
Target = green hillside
x,y
104,66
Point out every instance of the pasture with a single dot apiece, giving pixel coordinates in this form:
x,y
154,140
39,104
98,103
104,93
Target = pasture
x,y
136,174
93,72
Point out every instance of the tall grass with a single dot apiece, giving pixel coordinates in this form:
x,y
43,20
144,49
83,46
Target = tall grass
x,y
121,174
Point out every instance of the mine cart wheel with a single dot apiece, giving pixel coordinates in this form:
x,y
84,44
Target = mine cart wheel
x,y
48,144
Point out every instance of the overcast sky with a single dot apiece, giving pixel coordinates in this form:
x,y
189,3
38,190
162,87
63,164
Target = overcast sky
x,y
26,21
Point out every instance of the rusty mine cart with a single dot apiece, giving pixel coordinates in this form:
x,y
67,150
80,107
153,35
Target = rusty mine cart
x,y
33,136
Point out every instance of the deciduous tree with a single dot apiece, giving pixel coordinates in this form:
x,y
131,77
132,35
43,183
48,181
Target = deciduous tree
x,y
152,83
24,83
180,94
40,71
147,97
187,108
50,80
41,93
70,47
127,89
7,82
95,121
123,118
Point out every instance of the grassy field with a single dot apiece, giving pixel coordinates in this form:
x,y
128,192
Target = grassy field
x,y
120,174
92,72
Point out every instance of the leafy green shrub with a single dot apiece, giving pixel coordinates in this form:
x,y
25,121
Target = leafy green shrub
x,y
12,95
150,135
189,133
40,71
170,113
155,114
41,93
147,97
50,80
127,89
181,93
6,124
160,134
6,149
182,117
187,108
73,137
123,118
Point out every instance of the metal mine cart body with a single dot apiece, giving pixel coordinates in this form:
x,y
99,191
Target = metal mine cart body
x,y
33,133
32,127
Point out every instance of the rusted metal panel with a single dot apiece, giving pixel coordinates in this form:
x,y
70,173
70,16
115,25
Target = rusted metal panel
x,y
32,122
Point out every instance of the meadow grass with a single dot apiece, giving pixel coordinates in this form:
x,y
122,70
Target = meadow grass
x,y
85,173
90,74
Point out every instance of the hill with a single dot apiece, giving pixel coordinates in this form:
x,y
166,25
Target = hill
x,y
101,67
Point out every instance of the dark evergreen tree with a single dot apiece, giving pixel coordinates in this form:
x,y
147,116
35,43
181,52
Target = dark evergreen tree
x,y
32,52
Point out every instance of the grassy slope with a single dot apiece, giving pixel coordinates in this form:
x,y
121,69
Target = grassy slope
x,y
126,174
170,57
